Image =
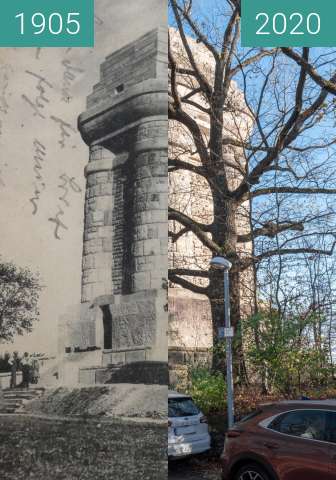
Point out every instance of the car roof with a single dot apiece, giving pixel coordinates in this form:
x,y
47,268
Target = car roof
x,y
173,394
302,403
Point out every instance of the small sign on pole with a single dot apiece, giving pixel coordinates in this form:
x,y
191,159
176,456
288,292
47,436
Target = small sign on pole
x,y
225,332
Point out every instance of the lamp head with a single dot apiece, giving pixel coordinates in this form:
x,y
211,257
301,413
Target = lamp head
x,y
220,262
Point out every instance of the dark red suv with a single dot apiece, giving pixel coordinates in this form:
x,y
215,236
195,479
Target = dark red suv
x,y
294,440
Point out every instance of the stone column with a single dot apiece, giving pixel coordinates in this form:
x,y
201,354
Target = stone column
x,y
97,247
150,232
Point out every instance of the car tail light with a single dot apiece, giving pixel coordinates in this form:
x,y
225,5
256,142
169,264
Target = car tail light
x,y
203,419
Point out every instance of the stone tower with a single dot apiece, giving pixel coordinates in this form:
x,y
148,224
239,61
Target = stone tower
x,y
124,269
190,322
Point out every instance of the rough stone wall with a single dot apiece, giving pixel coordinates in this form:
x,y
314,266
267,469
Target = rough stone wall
x,y
139,61
150,242
190,193
125,246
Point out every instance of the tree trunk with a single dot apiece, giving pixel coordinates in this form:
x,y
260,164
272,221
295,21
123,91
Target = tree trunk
x,y
225,234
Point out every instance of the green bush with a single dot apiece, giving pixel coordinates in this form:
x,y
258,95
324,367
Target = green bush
x,y
208,390
281,352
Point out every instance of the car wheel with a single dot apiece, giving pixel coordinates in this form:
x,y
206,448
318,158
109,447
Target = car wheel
x,y
252,471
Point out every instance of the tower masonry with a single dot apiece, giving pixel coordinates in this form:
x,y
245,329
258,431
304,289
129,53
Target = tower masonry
x,y
124,268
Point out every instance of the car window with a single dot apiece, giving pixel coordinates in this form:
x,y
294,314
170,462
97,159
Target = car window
x,y
309,424
182,407
331,427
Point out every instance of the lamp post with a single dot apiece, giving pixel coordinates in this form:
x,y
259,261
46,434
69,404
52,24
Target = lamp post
x,y
223,264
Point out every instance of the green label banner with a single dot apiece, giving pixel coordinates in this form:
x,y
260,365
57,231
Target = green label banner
x,y
288,23
47,23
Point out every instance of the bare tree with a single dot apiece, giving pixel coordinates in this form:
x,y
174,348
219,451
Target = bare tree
x,y
273,172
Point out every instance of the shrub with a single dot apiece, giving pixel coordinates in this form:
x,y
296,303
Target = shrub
x,y
208,390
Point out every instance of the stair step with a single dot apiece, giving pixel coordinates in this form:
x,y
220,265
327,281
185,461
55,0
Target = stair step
x,y
14,398
12,401
20,397
7,410
23,390
11,404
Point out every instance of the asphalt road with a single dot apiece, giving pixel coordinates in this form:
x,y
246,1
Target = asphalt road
x,y
193,470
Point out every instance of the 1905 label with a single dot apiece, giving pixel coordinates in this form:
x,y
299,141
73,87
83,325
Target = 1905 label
x,y
47,23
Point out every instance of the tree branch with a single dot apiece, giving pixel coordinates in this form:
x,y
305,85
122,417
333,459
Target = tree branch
x,y
253,59
204,84
328,85
294,251
271,230
178,164
188,285
189,272
200,230
175,236
296,190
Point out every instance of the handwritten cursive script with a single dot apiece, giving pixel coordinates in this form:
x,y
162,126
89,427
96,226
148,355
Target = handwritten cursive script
x,y
39,185
67,185
39,102
69,76
65,129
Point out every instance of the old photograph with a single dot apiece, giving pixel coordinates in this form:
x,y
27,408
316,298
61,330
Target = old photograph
x,y
83,252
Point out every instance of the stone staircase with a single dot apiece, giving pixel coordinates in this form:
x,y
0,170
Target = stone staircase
x,y
15,399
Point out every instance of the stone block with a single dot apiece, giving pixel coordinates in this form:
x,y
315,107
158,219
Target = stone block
x,y
90,276
106,189
94,218
118,357
106,359
90,235
157,278
93,246
105,275
159,216
98,216
135,356
103,203
144,264
163,230
88,261
87,376
105,232
160,170
99,289
138,248
155,197
151,247
107,245
145,217
95,191
141,232
86,293
164,246
108,217
153,231
141,281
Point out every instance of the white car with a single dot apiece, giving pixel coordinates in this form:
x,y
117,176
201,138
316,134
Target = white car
x,y
188,432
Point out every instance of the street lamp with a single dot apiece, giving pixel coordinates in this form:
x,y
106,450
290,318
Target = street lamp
x,y
224,264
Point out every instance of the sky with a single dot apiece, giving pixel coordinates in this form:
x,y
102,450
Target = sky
x,y
29,76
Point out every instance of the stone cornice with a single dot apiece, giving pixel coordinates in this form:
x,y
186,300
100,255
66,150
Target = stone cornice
x,y
147,99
